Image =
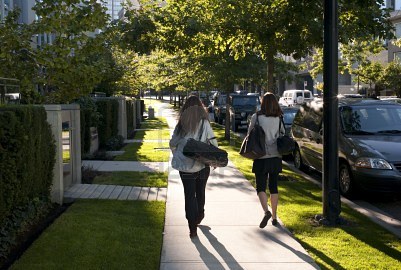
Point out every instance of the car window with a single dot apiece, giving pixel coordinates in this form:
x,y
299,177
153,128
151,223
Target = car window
x,y
288,116
370,119
222,100
245,101
310,118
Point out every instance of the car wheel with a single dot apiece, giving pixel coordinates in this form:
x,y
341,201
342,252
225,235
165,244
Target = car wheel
x,y
345,178
298,159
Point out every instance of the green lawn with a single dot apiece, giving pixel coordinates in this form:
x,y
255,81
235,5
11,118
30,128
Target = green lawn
x,y
151,152
361,244
100,234
156,123
161,134
138,179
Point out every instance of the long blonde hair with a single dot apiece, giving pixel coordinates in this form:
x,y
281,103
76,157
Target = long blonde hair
x,y
190,115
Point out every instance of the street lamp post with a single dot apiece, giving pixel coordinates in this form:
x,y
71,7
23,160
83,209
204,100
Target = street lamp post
x,y
331,195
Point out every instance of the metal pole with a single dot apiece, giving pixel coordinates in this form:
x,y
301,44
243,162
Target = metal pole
x,y
331,195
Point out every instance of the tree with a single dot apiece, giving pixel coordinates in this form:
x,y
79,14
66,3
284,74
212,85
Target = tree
x,y
392,77
71,70
17,57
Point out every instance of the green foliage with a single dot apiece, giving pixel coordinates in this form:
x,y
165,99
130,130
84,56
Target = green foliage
x,y
20,222
89,117
114,143
71,63
27,154
392,77
107,127
17,56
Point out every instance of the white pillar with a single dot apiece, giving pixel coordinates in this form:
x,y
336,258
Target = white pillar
x,y
55,120
75,142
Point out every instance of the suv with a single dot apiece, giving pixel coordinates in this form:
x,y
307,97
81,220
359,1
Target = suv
x,y
369,143
242,106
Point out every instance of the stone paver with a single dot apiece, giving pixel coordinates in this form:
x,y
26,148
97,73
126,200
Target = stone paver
x,y
113,192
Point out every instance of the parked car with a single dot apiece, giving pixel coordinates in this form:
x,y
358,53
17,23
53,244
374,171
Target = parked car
x,y
242,106
369,143
219,107
295,97
288,117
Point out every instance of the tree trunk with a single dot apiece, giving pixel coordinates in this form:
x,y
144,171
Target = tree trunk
x,y
270,72
227,123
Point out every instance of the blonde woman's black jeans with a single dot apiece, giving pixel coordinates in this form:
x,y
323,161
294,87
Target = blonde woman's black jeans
x,y
194,191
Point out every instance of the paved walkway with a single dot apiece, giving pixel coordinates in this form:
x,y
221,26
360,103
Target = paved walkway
x,y
229,237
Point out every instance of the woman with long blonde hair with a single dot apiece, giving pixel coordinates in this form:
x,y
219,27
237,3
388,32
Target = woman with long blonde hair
x,y
192,123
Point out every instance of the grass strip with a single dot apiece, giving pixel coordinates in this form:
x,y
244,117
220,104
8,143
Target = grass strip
x,y
156,123
160,135
359,244
100,234
151,152
138,179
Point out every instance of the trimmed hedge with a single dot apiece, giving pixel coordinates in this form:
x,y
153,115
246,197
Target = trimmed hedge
x,y
27,157
108,126
89,117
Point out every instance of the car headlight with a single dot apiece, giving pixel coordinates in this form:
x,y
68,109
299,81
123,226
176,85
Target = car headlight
x,y
373,163
243,114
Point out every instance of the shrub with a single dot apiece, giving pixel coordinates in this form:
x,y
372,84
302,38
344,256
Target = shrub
x,y
115,143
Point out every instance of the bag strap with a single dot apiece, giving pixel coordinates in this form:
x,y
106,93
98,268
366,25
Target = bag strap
x,y
201,130
279,127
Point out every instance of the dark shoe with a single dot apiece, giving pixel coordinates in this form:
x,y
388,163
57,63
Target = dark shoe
x,y
193,233
274,222
199,219
265,219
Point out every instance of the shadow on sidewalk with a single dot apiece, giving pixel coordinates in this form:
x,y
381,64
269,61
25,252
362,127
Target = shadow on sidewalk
x,y
301,255
219,247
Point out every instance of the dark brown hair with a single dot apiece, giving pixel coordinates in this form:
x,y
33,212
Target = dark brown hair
x,y
270,106
190,115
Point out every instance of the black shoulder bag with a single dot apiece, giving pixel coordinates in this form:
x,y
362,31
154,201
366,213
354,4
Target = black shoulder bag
x,y
254,144
204,152
285,144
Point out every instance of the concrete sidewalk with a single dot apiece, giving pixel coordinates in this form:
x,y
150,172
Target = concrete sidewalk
x,y
229,237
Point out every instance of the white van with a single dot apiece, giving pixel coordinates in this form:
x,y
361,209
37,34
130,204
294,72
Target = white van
x,y
295,97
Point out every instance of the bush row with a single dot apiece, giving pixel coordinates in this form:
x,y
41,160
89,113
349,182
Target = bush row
x,y
27,157
108,126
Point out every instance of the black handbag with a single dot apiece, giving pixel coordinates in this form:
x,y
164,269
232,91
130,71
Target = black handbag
x,y
285,144
205,152
254,145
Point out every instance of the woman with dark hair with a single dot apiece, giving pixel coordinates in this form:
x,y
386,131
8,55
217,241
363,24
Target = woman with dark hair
x,y
268,167
192,123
